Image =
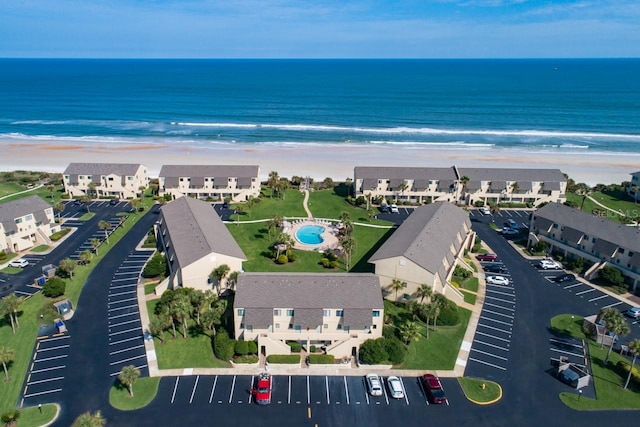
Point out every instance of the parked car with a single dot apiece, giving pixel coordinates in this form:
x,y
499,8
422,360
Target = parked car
x,y
20,263
262,391
510,231
564,278
497,280
487,257
77,202
225,205
494,267
633,312
433,388
114,202
395,387
394,208
384,207
374,385
485,210
547,264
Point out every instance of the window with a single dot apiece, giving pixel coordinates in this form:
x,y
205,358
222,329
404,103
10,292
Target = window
x,y
289,312
630,254
326,313
129,178
241,312
290,325
621,251
110,178
277,325
406,296
326,326
593,240
339,313
18,220
376,313
276,312
347,328
250,328
241,325
339,326
298,328
375,326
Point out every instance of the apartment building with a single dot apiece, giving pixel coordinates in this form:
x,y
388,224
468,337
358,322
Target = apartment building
x,y
217,182
338,311
425,249
120,180
25,223
634,186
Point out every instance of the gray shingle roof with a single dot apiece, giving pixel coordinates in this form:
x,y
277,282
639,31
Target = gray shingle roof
x,y
259,318
592,225
473,185
605,248
309,317
356,318
209,171
498,185
510,174
426,236
9,211
551,186
402,173
195,230
308,290
97,169
571,235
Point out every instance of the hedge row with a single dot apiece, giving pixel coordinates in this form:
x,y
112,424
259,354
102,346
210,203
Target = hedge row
x,y
284,358
321,359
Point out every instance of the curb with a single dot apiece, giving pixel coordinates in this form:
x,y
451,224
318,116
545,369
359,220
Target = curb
x,y
491,402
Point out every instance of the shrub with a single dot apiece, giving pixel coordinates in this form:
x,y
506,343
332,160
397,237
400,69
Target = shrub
x,y
282,259
252,347
59,234
360,200
312,349
577,265
327,263
461,272
321,359
571,204
372,352
251,358
295,346
291,256
223,346
395,349
241,347
478,203
623,370
449,315
284,358
612,275
3,255
156,266
541,246
54,287
389,331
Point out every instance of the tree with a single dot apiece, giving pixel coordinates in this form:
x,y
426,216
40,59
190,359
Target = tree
x,y
90,420
410,331
218,275
10,306
86,199
95,244
213,314
402,187
54,287
370,213
128,376
58,208
92,190
142,189
85,257
424,291
232,280
286,240
272,182
634,348
182,310
6,356
396,285
157,328
606,314
440,301
282,186
619,327
167,317
274,223
156,266
428,312
67,266
10,418
104,225
348,245
51,189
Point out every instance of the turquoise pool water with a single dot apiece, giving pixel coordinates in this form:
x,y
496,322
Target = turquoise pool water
x,y
310,234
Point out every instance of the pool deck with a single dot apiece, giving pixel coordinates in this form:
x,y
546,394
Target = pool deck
x,y
329,236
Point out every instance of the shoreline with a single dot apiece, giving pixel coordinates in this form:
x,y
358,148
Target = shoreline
x,y
316,161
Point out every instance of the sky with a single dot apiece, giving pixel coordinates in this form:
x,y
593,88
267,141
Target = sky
x,y
319,28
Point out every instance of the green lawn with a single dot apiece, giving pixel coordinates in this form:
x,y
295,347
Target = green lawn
x,y
470,283
33,417
40,248
7,188
329,204
144,391
290,206
469,297
12,270
194,352
619,200
86,216
482,392
440,351
607,381
590,207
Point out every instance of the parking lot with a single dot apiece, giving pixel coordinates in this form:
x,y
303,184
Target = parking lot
x,y
126,340
47,370
491,343
291,390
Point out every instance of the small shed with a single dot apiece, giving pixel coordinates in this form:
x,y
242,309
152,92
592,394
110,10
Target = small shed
x,y
64,309
598,330
49,270
62,328
570,373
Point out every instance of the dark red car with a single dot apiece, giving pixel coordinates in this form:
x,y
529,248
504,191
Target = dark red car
x,y
487,257
262,392
433,388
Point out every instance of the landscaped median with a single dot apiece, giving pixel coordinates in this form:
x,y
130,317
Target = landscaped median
x,y
609,379
144,391
479,391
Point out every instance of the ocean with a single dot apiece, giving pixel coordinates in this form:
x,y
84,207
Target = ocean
x,y
581,105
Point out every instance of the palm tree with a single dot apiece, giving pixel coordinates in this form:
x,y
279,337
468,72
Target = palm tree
x,y
238,211
10,418
272,182
182,311
402,187
6,356
134,204
85,256
274,223
428,312
585,193
396,285
92,190
410,331
67,265
51,188
424,291
619,327
168,317
6,311
218,274
157,328
90,420
370,214
634,348
142,188
11,304
286,240
348,245
128,376
58,208
86,199
95,244
439,301
232,280
464,180
282,186
104,225
605,315
250,203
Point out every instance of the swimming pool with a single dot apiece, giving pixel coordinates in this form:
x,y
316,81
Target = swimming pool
x,y
310,234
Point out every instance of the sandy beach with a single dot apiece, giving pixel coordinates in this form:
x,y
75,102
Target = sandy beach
x,y
316,161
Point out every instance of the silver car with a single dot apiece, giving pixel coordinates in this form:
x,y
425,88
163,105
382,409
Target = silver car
x,y
395,387
374,385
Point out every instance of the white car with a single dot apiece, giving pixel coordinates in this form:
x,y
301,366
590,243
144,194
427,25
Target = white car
x,y
497,280
485,210
395,387
374,385
394,208
547,264
21,263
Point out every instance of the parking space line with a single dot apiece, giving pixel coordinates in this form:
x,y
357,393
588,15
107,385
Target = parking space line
x,y
498,314
122,280
124,323
128,339
126,349
233,386
122,308
213,388
36,371
495,329
122,300
567,352
127,360
384,390
45,381
584,292
122,315
404,390
501,293
132,291
366,391
613,305
123,332
133,283
597,298
491,345
493,337
326,381
42,392
289,392
488,364
499,306
252,380
489,354
194,389
22,293
51,358
565,343
572,286
175,387
346,389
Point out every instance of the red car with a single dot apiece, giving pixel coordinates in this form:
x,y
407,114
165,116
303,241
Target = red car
x,y
487,257
433,388
262,392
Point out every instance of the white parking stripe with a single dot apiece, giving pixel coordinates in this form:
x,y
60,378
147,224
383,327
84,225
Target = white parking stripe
x,y
495,329
498,314
326,381
493,337
497,321
127,340
572,286
45,381
404,390
289,392
113,374
122,315
488,364
126,349
491,345
127,360
42,392
122,308
175,387
584,292
63,337
565,343
213,388
597,298
508,294
35,371
51,358
252,380
233,385
613,305
567,352
132,284
132,291
124,323
499,306
346,389
489,354
193,392
53,348
500,299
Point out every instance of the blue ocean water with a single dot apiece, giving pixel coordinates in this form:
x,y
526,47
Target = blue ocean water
x,y
590,105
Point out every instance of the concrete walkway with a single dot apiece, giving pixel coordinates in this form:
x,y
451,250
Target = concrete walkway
x,y
22,192
305,204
